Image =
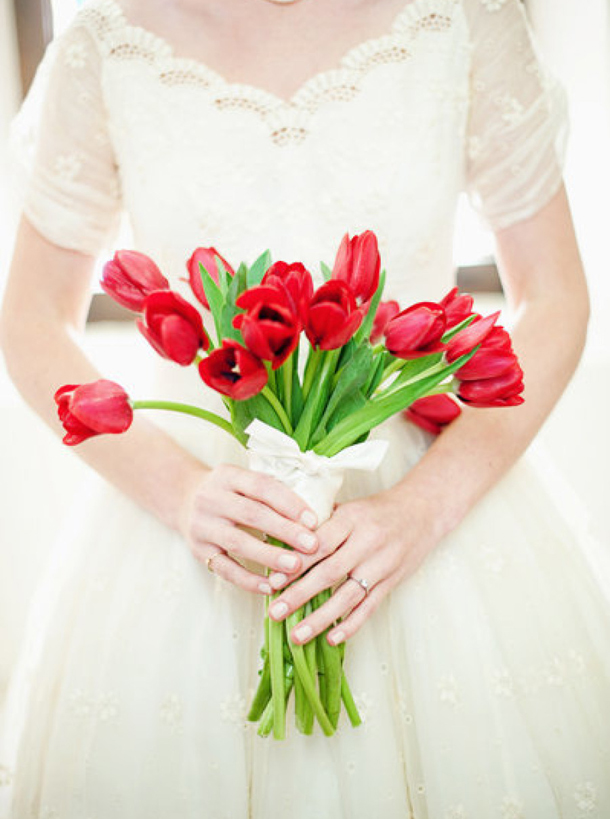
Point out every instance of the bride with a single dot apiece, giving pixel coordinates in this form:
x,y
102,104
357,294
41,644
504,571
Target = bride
x,y
479,658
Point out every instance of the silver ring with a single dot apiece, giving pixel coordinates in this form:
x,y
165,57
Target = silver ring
x,y
361,582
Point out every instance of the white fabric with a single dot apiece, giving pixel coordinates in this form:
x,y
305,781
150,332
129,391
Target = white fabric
x,y
483,679
313,477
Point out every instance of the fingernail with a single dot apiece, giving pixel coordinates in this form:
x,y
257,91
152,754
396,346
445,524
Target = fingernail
x,y
288,562
309,519
278,579
265,588
302,633
308,541
336,638
278,609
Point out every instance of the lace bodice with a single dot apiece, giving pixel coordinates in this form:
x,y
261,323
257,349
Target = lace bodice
x,y
452,98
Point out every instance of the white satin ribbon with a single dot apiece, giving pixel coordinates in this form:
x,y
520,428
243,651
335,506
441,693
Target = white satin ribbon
x,y
315,478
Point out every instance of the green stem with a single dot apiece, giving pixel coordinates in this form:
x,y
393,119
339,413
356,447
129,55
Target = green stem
x,y
276,664
188,409
279,409
313,362
302,669
348,701
286,370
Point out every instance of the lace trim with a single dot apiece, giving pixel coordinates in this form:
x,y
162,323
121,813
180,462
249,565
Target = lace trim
x,y
286,119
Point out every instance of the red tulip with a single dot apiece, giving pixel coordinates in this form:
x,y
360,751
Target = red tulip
x,y
295,280
358,263
173,327
270,329
472,335
416,331
208,257
457,306
487,362
234,371
92,409
333,316
433,412
501,391
130,277
386,311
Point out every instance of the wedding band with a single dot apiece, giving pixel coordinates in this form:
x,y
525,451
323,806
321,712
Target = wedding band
x,y
208,562
361,582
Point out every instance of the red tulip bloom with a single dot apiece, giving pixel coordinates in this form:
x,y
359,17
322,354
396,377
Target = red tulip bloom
x,y
234,371
501,391
416,331
270,329
130,277
295,280
433,412
92,409
385,312
457,307
173,327
208,257
358,263
333,316
471,336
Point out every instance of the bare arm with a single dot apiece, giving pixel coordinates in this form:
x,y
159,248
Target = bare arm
x,y
43,314
545,283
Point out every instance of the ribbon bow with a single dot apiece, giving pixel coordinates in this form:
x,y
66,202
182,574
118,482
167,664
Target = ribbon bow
x,y
315,478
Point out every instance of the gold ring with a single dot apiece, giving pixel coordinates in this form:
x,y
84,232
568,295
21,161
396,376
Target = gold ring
x,y
208,562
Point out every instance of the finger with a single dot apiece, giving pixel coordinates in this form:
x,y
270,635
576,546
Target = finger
x,y
258,516
272,493
360,614
231,539
224,566
321,577
331,535
345,598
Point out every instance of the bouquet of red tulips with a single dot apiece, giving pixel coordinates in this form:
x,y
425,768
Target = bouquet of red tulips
x,y
305,376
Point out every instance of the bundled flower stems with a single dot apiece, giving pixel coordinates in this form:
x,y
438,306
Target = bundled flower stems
x,y
303,370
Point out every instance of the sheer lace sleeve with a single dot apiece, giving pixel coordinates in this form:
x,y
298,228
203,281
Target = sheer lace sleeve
x,y
518,123
66,177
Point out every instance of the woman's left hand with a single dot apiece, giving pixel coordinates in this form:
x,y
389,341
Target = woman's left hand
x,y
381,539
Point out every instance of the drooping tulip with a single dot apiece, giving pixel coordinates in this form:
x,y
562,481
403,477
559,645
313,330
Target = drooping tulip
x,y
173,327
358,263
433,413
416,331
208,257
501,391
234,371
100,407
130,277
333,316
385,312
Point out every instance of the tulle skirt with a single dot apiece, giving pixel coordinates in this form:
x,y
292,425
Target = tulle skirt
x,y
483,679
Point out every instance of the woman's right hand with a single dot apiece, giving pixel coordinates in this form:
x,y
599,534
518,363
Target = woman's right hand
x,y
222,502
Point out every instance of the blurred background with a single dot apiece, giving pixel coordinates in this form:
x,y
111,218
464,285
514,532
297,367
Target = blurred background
x,y
574,38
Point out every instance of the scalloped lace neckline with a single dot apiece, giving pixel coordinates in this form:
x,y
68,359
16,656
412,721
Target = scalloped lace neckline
x,y
352,58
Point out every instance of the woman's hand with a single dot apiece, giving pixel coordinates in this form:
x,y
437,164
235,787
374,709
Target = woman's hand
x,y
381,539
223,500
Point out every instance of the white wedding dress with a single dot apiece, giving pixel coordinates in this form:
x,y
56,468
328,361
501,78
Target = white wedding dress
x,y
484,679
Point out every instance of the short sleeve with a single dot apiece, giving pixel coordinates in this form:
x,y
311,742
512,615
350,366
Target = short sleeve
x,y
518,120
65,174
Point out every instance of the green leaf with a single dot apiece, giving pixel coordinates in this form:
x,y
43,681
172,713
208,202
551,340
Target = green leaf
x,y
258,269
230,310
214,296
455,330
244,412
326,271
376,374
351,378
364,331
